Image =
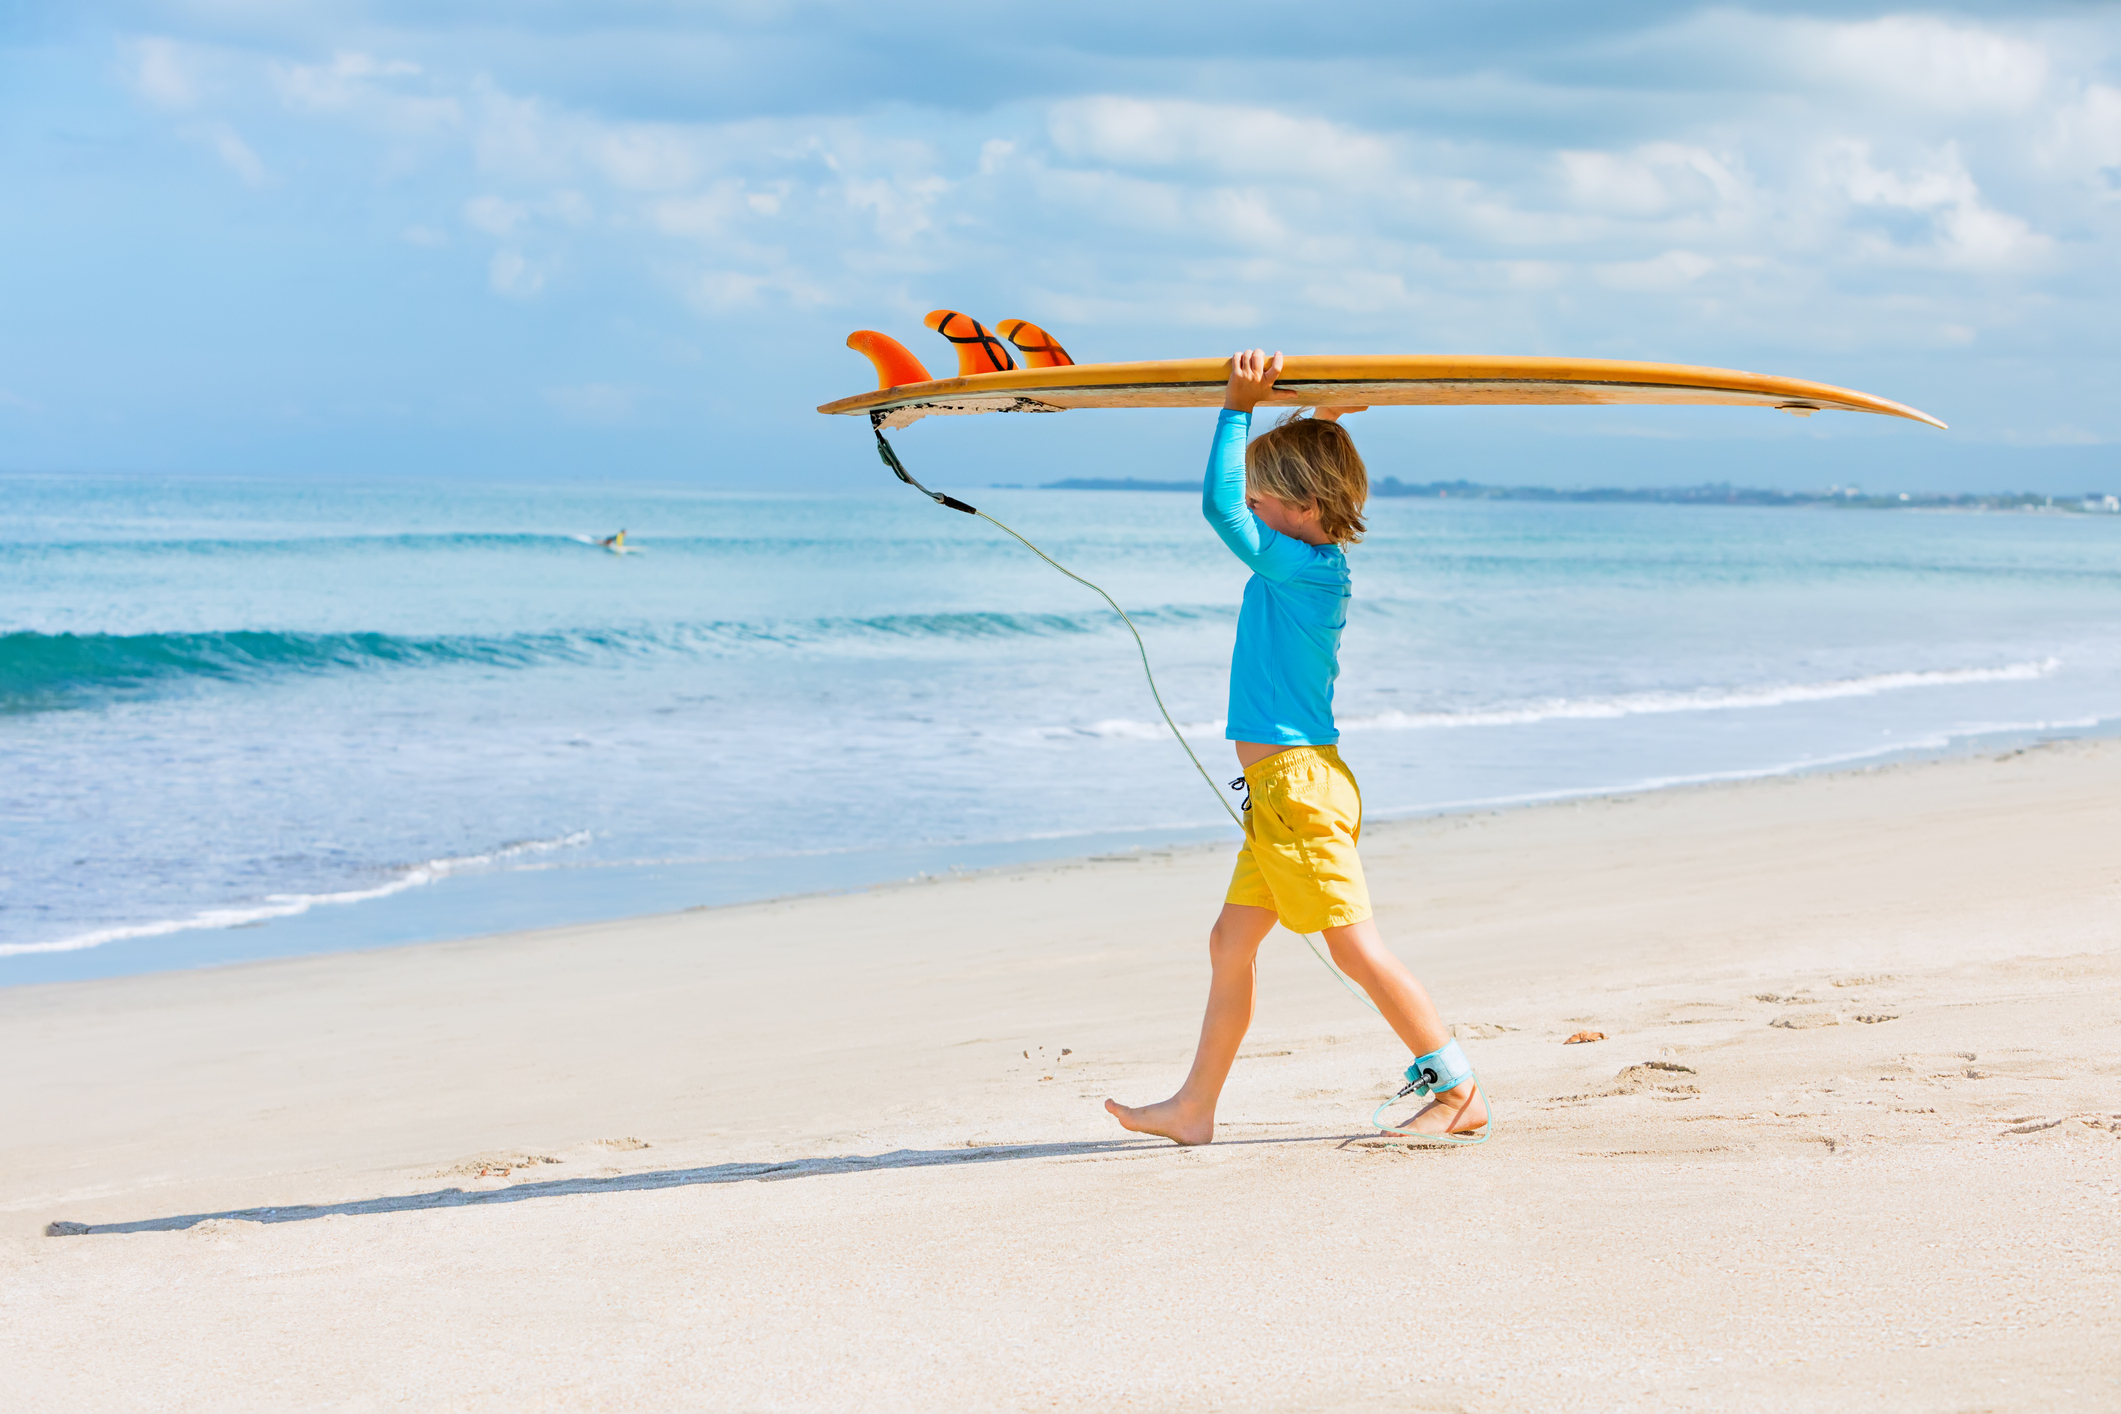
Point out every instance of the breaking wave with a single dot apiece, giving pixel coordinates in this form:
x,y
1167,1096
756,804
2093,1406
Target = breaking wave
x,y
288,905
1638,704
1632,704
41,671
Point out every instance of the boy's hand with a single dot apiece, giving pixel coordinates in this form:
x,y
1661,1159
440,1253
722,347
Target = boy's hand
x,y
1252,376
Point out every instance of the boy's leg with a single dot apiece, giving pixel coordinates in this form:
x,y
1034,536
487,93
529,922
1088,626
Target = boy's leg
x,y
1359,950
1233,948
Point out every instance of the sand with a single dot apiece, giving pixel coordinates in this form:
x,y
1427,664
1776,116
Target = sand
x,y
1852,1141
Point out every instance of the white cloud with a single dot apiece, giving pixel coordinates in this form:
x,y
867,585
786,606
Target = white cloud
x,y
570,207
1367,291
2057,435
902,208
2085,136
1656,179
512,273
1136,132
1493,216
1155,210
1673,270
495,215
512,141
702,215
498,216
638,157
229,146
162,74
364,88
1530,274
528,140
1921,59
1965,231
1115,199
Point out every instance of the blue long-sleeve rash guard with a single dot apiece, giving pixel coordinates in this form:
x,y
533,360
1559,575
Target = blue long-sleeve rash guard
x,y
1296,604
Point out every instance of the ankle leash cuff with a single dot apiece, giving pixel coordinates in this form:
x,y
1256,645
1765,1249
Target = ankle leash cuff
x,y
1445,1068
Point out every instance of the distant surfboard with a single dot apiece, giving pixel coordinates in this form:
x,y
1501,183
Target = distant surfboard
x,y
906,393
600,545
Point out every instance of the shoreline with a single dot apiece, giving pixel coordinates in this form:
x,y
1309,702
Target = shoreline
x,y
846,1150
455,902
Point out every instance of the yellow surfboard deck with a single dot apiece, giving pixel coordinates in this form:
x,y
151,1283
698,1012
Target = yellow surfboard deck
x,y
1388,380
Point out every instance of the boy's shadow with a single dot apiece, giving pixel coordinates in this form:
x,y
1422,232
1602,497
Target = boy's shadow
x,y
664,1178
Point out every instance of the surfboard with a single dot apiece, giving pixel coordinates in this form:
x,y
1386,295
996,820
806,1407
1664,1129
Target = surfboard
x,y
596,544
984,384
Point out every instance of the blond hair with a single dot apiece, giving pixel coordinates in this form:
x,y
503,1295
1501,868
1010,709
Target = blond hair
x,y
1308,462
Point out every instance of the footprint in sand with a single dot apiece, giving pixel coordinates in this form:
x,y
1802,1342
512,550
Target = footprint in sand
x,y
1805,1020
1952,1065
2067,1128
492,1165
1657,1077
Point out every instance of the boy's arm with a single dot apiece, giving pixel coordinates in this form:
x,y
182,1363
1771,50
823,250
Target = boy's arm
x,y
1222,492
1264,550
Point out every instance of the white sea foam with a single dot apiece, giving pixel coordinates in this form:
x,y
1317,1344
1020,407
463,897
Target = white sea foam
x,y
1637,704
1121,729
1939,741
1631,704
289,905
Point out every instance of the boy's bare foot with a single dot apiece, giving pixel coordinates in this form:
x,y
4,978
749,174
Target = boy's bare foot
x,y
1173,1119
1453,1112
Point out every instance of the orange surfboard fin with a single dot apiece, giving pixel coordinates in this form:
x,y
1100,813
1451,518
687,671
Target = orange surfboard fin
x,y
1039,348
894,363
977,350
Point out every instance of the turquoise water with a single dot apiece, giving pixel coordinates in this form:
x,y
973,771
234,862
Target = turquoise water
x,y
254,718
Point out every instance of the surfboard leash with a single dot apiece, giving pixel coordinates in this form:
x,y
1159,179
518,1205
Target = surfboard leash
x,y
884,449
890,458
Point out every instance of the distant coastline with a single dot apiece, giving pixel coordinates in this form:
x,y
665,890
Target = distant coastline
x,y
1713,494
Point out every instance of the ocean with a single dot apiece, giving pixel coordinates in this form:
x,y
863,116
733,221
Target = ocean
x,y
244,719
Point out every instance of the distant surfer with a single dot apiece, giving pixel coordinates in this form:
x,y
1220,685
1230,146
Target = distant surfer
x,y
1285,506
615,543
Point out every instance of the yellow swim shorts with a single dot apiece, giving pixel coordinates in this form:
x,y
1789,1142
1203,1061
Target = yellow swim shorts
x,y
1300,836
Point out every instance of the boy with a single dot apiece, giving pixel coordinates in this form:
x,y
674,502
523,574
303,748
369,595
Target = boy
x,y
1285,506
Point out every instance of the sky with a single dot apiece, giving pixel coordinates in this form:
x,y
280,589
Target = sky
x,y
627,240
